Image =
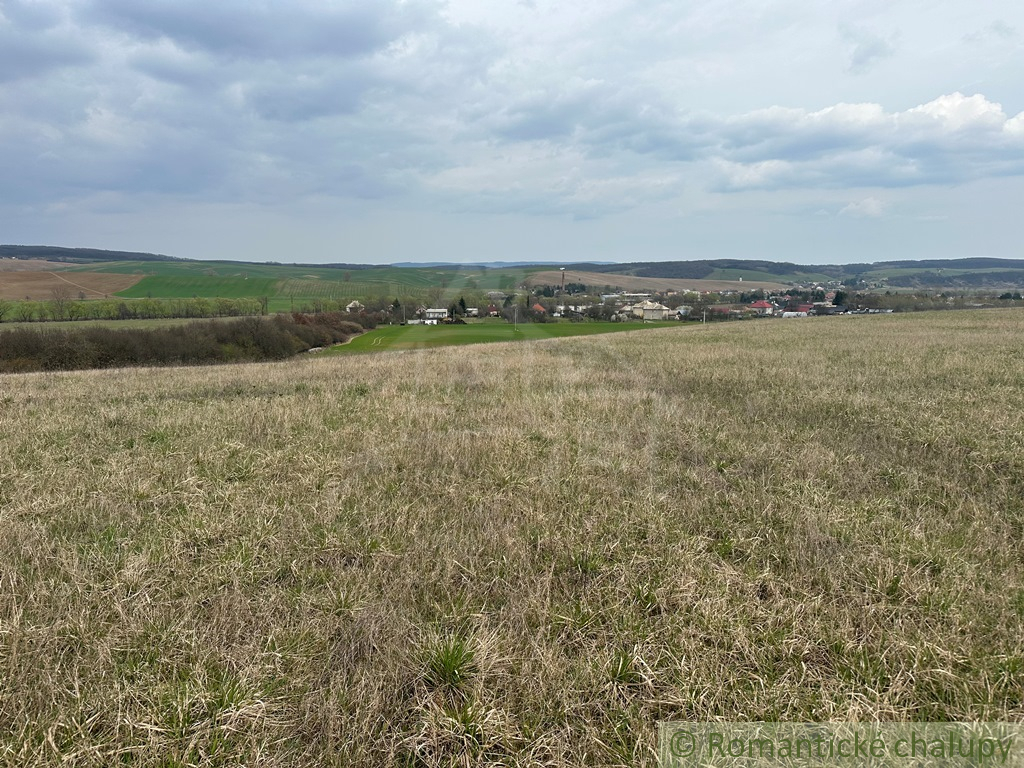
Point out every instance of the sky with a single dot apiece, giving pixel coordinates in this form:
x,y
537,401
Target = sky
x,y
379,131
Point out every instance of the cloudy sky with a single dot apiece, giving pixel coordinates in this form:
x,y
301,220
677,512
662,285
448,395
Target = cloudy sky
x,y
406,130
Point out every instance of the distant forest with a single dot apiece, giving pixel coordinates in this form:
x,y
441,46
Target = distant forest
x,y
85,255
54,253
696,270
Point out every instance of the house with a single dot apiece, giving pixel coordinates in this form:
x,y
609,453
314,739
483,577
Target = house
x,y
539,308
354,306
472,312
763,307
493,310
651,310
435,314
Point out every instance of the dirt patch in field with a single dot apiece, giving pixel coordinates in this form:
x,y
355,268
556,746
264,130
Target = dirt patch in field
x,y
631,283
40,286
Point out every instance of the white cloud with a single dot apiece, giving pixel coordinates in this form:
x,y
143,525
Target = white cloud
x,y
952,139
868,208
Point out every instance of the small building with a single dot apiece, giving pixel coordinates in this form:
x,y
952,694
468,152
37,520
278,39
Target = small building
x,y
651,310
436,313
762,307
539,308
354,306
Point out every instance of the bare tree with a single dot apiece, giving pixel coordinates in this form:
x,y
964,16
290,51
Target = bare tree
x,y
60,300
5,307
25,311
434,295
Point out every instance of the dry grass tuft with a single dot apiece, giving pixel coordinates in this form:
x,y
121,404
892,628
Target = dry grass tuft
x,y
513,554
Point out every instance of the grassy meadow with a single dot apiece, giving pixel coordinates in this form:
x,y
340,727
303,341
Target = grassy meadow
x,y
404,337
514,554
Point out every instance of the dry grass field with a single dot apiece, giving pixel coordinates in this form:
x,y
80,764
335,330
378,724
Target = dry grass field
x,y
514,554
632,283
39,285
30,265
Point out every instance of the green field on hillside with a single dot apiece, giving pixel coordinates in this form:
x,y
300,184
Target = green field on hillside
x,y
291,287
174,278
400,337
200,286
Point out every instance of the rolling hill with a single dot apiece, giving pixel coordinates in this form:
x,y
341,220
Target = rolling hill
x,y
36,271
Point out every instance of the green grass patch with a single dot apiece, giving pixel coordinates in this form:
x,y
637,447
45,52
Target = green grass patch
x,y
381,279
163,287
399,337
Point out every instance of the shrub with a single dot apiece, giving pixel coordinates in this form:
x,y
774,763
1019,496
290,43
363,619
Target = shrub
x,y
246,339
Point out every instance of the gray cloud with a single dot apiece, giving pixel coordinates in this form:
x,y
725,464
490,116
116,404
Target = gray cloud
x,y
296,98
276,29
866,47
998,30
33,42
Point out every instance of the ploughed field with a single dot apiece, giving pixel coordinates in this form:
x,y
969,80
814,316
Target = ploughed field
x,y
40,285
520,553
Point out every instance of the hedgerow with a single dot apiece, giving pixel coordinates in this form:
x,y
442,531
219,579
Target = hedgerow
x,y
246,339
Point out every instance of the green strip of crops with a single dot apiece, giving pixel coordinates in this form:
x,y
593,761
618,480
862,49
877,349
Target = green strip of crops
x,y
398,337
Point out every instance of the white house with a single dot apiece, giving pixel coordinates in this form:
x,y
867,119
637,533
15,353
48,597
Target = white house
x,y
651,310
436,314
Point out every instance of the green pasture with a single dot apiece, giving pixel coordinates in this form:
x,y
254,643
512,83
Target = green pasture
x,y
401,337
294,286
164,278
159,287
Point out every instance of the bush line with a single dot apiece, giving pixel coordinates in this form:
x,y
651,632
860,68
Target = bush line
x,y
247,339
